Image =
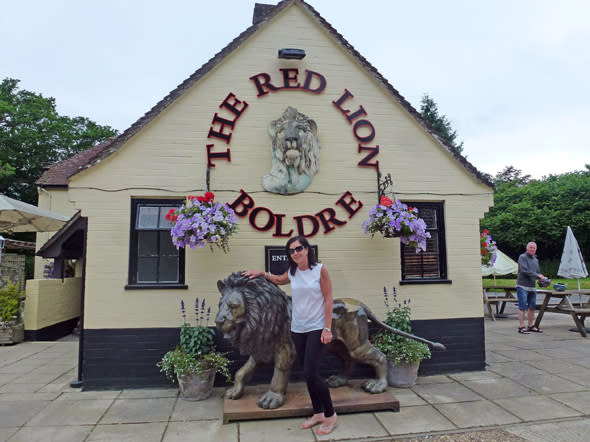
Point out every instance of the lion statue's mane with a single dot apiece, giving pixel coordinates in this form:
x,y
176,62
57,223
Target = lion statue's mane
x,y
267,315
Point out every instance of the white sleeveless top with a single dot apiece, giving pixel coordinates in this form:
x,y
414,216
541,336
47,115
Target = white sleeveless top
x,y
308,312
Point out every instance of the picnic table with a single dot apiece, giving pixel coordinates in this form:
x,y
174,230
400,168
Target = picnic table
x,y
564,302
506,294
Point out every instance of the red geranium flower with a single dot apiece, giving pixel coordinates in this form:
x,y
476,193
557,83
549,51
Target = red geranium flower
x,y
385,201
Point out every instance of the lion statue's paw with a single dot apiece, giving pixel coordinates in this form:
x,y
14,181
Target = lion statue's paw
x,y
271,400
234,392
337,381
375,386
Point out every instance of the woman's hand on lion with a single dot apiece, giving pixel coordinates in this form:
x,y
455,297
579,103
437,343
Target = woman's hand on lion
x,y
253,273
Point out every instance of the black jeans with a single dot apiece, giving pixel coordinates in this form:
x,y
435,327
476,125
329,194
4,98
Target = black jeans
x,y
309,350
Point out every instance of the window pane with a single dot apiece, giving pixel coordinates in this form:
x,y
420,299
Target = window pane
x,y
429,264
166,246
147,243
164,223
147,270
147,217
169,269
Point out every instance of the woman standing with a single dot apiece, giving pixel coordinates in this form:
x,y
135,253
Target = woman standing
x,y
311,319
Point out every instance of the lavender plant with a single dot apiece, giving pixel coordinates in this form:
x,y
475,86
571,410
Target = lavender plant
x,y
196,352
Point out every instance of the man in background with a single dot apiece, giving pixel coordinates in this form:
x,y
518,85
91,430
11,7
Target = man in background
x,y
528,272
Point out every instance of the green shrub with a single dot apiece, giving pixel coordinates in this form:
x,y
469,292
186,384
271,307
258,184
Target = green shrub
x,y
10,303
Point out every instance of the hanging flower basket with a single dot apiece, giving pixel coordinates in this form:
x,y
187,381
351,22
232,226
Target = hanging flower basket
x,y
488,249
395,219
200,221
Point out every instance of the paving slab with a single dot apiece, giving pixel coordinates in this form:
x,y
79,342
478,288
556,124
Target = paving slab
x,y
285,430
442,393
5,433
210,408
531,408
29,396
476,414
556,366
51,434
143,393
523,355
515,369
208,431
573,431
579,377
578,400
474,375
434,379
70,413
146,432
547,383
75,394
16,413
21,388
497,388
139,410
407,397
419,419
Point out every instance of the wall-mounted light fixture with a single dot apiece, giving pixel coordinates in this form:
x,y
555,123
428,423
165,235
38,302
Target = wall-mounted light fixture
x,y
291,53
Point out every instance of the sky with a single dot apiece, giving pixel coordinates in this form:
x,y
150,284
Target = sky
x,y
511,76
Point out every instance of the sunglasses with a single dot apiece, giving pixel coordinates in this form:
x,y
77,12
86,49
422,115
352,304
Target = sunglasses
x,y
296,249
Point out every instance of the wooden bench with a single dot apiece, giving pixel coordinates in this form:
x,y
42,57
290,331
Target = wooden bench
x,y
561,302
494,298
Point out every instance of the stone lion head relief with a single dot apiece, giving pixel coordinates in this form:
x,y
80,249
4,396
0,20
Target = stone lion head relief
x,y
295,153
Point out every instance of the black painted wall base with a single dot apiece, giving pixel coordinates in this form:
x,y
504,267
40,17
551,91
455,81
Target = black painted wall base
x,y
52,332
126,358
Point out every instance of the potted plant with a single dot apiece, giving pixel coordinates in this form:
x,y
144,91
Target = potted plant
x,y
487,248
396,219
194,362
403,354
200,220
12,329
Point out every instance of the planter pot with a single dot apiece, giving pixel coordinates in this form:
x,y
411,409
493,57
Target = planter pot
x,y
402,375
12,334
196,386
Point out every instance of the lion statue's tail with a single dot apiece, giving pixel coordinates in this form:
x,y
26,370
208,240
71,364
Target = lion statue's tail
x,y
376,320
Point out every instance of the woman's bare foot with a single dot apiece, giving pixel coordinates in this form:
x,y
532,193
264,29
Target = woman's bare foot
x,y
328,425
314,420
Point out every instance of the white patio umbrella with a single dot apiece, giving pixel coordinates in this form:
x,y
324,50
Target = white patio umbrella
x,y
504,265
572,264
16,216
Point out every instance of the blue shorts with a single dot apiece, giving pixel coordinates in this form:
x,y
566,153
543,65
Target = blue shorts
x,y
526,299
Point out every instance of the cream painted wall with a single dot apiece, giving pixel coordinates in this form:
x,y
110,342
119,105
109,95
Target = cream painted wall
x,y
169,154
51,301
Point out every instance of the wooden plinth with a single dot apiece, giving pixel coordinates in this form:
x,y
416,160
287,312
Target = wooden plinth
x,y
348,399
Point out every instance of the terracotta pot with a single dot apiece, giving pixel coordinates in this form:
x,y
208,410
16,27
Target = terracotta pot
x,y
196,386
402,375
13,334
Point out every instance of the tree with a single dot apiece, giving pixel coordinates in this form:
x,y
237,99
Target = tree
x,y
540,211
429,111
512,175
33,135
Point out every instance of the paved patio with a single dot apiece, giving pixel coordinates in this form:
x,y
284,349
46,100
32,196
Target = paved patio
x,y
536,387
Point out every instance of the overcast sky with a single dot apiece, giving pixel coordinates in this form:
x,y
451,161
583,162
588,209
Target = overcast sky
x,y
512,76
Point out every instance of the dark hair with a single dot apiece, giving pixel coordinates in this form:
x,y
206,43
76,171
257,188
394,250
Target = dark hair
x,y
311,258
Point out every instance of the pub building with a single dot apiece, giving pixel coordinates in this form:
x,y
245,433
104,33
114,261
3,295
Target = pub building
x,y
223,130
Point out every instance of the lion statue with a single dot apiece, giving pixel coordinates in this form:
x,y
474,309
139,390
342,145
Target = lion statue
x,y
255,316
295,153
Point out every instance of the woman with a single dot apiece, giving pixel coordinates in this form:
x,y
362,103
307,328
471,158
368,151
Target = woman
x,y
311,319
